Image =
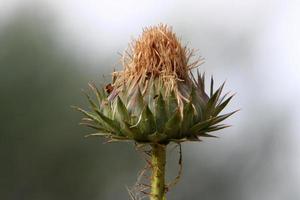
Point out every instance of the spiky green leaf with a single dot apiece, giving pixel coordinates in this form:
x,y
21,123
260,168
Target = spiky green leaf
x,y
172,104
221,106
188,117
121,111
217,127
136,103
111,125
198,104
147,122
161,115
172,127
212,102
220,118
200,126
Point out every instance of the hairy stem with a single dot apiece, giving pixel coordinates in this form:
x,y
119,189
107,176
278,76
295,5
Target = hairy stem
x,y
158,163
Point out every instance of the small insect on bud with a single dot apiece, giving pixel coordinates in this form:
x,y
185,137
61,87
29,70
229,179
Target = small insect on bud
x,y
109,88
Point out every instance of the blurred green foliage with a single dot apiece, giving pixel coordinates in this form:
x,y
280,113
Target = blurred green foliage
x,y
42,150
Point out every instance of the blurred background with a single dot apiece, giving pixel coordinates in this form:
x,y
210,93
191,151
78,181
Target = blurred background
x,y
50,50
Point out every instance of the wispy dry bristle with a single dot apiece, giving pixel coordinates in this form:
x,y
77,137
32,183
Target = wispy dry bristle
x,y
157,53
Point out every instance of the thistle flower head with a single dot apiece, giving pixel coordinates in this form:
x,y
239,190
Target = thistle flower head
x,y
158,53
157,56
156,98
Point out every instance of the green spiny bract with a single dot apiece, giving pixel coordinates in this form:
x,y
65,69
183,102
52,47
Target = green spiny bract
x,y
156,98
146,114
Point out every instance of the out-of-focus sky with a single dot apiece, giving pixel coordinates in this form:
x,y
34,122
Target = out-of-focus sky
x,y
253,45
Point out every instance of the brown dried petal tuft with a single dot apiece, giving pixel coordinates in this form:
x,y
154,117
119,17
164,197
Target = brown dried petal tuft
x,y
157,53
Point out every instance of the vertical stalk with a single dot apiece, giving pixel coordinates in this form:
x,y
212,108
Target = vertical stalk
x,y
158,163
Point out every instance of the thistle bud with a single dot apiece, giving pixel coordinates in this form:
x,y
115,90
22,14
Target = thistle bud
x,y
156,98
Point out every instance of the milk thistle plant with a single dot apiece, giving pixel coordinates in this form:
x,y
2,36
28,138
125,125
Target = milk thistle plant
x,y
156,100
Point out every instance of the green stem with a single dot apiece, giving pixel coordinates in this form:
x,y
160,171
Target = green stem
x,y
158,162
